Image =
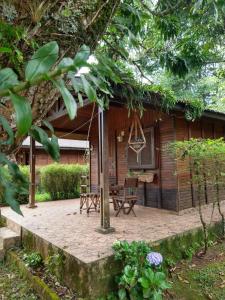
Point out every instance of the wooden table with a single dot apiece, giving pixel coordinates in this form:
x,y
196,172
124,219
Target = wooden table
x,y
146,178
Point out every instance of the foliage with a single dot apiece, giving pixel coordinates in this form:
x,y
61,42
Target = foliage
x,y
138,280
139,36
42,197
13,183
55,264
55,181
62,181
207,163
39,69
33,260
13,286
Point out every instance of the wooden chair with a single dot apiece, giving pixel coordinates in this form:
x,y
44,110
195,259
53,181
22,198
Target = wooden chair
x,y
114,191
88,201
127,197
84,191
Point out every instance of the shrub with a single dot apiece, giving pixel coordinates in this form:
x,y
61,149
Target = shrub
x,y
62,181
42,197
142,276
33,260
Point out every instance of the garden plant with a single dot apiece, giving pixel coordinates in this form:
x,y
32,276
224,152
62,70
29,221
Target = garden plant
x,y
206,158
142,275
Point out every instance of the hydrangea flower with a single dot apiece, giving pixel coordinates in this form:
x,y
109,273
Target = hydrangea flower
x,y
154,258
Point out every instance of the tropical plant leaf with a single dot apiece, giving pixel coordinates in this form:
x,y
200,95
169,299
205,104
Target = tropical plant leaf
x,y
80,99
76,82
48,125
8,130
89,90
11,201
51,146
80,60
8,78
23,113
42,60
69,100
65,62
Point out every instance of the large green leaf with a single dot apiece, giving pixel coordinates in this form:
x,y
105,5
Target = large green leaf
x,y
48,125
8,78
50,145
89,90
82,56
42,60
76,82
8,130
65,62
23,113
69,100
13,182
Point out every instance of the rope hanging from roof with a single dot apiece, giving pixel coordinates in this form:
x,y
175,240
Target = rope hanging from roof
x,y
136,140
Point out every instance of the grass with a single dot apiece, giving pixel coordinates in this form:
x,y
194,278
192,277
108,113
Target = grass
x,y
201,278
12,286
42,197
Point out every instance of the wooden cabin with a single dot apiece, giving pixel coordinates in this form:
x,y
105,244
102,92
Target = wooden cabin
x,y
113,160
71,152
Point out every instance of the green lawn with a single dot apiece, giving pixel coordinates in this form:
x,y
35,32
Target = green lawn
x,y
12,286
201,278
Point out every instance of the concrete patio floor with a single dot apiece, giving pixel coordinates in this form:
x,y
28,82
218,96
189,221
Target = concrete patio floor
x,y
60,223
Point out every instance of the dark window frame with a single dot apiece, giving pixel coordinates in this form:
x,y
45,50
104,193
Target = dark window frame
x,y
149,166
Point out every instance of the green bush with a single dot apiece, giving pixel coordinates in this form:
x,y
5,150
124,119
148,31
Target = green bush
x,y
42,197
62,181
142,276
33,260
55,181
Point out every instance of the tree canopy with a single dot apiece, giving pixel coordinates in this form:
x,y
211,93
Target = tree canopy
x,y
145,47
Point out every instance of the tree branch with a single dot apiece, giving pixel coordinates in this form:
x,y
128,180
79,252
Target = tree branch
x,y
162,13
36,81
128,60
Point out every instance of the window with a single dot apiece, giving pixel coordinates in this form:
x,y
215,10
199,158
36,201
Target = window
x,y
146,156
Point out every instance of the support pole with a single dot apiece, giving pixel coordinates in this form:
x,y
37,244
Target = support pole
x,y
31,203
104,171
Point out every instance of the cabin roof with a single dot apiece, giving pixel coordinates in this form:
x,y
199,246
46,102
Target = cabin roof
x,y
64,144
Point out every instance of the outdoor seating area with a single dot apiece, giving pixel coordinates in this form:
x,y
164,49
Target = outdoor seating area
x,y
123,197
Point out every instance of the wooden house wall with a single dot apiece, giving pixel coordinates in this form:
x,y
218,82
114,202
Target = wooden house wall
x,y
163,191
172,188
42,158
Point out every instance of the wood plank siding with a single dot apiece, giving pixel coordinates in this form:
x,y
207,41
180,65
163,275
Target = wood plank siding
x,y
43,158
168,190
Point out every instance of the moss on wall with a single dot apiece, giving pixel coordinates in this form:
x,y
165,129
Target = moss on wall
x,y
98,278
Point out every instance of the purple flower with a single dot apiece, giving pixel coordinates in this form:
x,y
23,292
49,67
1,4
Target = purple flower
x,y
154,258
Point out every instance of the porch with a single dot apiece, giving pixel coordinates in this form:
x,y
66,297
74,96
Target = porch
x,y
60,223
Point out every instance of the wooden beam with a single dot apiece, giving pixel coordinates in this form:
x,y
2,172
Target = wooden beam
x,y
104,171
56,115
31,203
69,136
